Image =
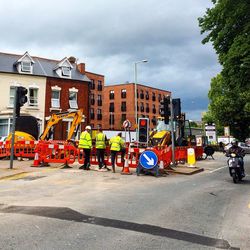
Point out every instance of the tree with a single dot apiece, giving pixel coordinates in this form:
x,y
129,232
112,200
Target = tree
x,y
227,26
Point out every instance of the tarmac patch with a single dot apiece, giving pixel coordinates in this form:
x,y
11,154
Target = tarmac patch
x,y
30,178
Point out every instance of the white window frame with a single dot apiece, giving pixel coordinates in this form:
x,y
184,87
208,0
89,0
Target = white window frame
x,y
73,103
55,102
26,66
35,103
12,97
66,71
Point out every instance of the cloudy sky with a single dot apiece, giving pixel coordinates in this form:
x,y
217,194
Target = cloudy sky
x,y
111,35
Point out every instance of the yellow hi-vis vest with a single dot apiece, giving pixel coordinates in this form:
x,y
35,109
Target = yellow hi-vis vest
x,y
116,143
100,141
85,140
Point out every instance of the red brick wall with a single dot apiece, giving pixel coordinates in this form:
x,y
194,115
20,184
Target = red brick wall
x,y
82,100
130,104
96,77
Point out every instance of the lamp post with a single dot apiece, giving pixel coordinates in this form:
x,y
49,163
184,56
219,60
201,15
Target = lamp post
x,y
136,118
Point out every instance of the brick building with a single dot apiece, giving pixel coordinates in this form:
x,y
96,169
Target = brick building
x,y
53,86
119,104
95,97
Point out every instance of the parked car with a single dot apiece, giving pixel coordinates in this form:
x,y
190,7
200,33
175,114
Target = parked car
x,y
240,144
245,147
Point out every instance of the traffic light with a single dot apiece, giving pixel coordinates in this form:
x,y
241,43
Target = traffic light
x,y
176,108
165,109
21,98
143,130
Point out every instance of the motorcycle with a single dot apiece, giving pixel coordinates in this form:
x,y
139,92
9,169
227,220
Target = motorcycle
x,y
235,169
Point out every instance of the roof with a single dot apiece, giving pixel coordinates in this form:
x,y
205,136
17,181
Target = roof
x,y
41,67
138,84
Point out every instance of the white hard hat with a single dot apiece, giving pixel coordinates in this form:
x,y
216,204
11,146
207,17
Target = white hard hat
x,y
88,127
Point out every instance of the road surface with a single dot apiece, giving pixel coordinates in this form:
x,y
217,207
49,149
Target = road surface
x,y
75,209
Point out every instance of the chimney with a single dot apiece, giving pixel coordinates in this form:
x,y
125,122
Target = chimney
x,y
81,67
72,59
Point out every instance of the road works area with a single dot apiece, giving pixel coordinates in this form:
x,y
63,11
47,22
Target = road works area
x,y
55,208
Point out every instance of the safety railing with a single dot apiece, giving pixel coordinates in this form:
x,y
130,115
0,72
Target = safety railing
x,y
64,152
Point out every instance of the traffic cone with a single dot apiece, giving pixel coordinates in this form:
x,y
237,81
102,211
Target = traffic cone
x,y
125,169
36,161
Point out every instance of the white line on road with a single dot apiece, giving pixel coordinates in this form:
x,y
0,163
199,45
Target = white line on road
x,y
217,169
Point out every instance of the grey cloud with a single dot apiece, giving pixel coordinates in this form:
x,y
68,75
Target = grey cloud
x,y
109,36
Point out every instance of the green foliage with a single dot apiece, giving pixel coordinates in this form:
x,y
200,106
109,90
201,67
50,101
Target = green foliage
x,y
227,26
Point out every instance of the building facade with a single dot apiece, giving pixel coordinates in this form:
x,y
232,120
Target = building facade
x,y
120,102
53,86
95,97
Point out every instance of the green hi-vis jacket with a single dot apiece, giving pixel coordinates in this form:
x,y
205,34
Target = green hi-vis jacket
x,y
85,140
100,141
116,143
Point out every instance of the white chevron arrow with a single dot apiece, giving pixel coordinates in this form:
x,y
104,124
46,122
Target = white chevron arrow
x,y
150,161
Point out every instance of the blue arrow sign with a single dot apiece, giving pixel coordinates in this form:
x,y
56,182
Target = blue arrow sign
x,y
148,159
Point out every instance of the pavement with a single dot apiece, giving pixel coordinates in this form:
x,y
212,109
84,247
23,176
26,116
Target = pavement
x,y
22,167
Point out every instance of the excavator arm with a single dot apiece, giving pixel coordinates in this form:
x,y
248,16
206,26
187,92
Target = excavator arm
x,y
57,117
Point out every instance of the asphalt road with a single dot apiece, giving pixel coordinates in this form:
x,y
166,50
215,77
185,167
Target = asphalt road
x,y
75,209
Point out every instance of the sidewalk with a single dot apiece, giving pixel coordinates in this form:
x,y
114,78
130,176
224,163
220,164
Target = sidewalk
x,y
19,167
24,166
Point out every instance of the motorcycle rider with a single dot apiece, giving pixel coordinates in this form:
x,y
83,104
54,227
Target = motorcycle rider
x,y
240,152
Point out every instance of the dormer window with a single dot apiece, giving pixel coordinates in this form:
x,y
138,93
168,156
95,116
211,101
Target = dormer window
x,y
65,71
26,66
63,68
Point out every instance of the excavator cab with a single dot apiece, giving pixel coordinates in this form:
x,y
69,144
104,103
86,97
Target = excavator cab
x,y
161,136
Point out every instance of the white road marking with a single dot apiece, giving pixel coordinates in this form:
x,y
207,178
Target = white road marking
x,y
217,169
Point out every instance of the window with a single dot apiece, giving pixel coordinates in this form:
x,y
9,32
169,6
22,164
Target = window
x,y
55,99
99,86
99,100
99,114
92,99
142,94
123,93
5,127
92,114
153,97
111,94
142,107
73,100
12,96
65,71
147,107
92,84
26,66
124,117
33,97
159,97
147,95
123,106
111,107
111,119
154,109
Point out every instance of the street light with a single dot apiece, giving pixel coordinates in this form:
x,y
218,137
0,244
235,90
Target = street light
x,y
136,118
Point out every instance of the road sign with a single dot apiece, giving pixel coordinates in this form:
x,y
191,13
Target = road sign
x,y
126,124
148,159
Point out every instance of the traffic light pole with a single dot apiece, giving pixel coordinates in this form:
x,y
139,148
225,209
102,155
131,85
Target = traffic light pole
x,y
13,130
172,131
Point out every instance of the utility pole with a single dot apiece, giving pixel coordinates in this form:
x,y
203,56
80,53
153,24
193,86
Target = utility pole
x,y
13,130
172,130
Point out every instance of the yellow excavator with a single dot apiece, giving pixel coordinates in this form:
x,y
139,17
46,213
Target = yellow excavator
x,y
31,133
161,135
77,117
